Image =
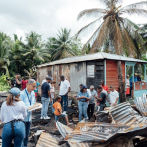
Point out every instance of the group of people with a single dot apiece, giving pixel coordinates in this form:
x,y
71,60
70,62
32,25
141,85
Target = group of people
x,y
90,100
17,118
137,78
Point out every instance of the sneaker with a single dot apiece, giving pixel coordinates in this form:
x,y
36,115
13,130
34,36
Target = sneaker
x,y
64,112
83,120
46,117
41,117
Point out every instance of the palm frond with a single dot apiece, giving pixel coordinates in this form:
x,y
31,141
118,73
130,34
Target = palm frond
x,y
87,26
135,5
134,11
91,12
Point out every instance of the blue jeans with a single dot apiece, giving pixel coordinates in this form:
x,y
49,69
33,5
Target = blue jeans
x,y
27,128
45,103
51,103
82,109
19,134
64,99
57,117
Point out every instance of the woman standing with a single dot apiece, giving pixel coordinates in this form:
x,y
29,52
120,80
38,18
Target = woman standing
x,y
127,86
83,98
13,111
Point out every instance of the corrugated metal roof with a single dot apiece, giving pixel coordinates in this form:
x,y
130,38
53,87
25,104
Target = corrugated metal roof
x,y
89,57
141,104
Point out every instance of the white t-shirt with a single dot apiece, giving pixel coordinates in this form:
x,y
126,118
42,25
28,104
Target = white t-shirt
x,y
52,89
44,81
9,113
113,96
64,85
127,83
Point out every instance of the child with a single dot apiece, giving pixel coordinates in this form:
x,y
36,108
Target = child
x,y
58,111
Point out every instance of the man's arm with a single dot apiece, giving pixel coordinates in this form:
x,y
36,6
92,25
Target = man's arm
x,y
101,97
18,82
59,110
49,94
116,101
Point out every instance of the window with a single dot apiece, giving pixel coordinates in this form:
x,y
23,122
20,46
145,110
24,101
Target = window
x,y
90,71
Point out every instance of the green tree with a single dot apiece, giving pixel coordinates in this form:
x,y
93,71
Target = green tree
x,y
4,53
34,49
63,46
115,31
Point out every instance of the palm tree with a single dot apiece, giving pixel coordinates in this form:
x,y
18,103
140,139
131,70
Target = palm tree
x,y
63,46
34,49
4,53
16,54
115,31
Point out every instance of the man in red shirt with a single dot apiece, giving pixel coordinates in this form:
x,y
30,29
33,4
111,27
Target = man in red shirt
x,y
24,83
104,86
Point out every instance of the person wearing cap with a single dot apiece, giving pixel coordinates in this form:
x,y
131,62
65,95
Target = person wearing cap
x,y
13,112
45,98
83,97
63,92
28,97
138,77
16,82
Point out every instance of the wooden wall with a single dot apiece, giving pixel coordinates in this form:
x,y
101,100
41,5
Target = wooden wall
x,y
112,75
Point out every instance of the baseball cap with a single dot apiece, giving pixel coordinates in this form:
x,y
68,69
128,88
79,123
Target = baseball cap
x,y
84,87
15,91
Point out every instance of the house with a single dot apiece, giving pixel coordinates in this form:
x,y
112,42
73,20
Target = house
x,y
91,69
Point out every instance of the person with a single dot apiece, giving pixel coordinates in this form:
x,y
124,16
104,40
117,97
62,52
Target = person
x,y
91,105
52,95
135,79
58,111
63,92
28,97
113,97
83,97
101,98
138,77
104,86
24,83
45,98
44,80
16,82
13,111
80,86
127,86
37,85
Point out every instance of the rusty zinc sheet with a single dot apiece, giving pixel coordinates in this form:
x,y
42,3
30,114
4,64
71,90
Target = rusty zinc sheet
x,y
141,104
124,114
46,140
102,132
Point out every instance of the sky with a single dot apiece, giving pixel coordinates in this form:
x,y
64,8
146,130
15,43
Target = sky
x,y
46,17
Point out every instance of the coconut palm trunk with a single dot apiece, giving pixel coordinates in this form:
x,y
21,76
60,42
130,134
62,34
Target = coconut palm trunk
x,y
122,95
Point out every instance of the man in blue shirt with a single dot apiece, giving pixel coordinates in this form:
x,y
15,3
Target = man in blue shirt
x,y
45,97
28,97
135,79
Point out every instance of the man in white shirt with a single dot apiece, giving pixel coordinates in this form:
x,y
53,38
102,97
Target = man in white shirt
x,y
113,96
63,92
44,80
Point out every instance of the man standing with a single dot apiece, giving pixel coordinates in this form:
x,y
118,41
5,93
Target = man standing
x,y
113,97
28,97
45,97
16,82
24,83
101,98
91,105
139,77
104,86
63,92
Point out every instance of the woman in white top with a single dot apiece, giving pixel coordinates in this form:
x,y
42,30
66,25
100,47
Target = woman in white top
x,y
13,111
52,90
127,86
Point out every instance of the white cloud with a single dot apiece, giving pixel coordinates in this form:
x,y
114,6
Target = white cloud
x,y
46,17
